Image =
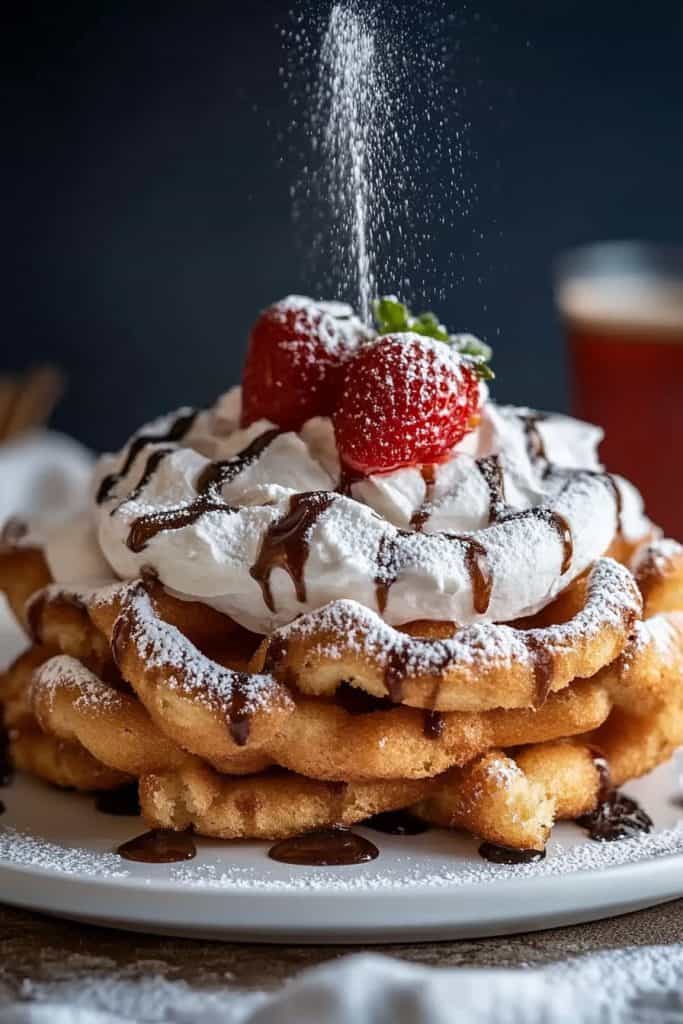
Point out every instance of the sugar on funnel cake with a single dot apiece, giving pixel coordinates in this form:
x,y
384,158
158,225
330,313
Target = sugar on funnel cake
x,y
354,585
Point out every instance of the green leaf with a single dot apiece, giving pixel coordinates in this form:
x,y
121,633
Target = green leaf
x,y
470,345
390,315
393,317
428,325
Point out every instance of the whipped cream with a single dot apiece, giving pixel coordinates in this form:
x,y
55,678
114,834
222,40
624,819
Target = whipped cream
x,y
44,478
368,536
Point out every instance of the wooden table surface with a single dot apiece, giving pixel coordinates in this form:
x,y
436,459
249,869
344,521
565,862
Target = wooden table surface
x,y
43,949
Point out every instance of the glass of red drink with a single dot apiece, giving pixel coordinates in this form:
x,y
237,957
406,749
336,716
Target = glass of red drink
x,y
622,306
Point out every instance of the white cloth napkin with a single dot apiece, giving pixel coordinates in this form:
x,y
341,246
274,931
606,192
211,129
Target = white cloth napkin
x,y
638,986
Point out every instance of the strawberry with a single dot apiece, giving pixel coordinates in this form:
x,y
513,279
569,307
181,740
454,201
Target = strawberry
x,y
294,365
406,401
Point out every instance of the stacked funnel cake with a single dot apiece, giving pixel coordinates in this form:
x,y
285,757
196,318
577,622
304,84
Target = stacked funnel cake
x,y
352,586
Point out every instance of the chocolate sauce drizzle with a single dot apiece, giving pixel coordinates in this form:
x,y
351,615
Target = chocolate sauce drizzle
x,y
557,522
491,470
507,855
347,478
209,484
121,802
397,823
285,544
543,664
2,807
352,699
615,816
325,848
422,514
160,846
180,426
389,568
150,468
433,726
535,444
238,710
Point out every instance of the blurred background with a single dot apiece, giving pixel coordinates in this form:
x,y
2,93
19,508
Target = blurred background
x,y
147,208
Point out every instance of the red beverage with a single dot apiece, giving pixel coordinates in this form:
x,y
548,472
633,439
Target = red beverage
x,y
623,310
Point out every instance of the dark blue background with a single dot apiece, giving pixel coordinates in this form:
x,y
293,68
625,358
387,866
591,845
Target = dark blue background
x,y
146,220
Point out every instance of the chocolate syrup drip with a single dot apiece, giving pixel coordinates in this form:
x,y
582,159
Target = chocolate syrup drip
x,y
285,544
616,817
160,846
385,576
176,432
433,726
328,847
507,855
121,802
557,522
358,702
543,663
618,499
389,568
142,530
397,823
535,444
209,484
217,474
239,707
616,493
6,766
2,807
492,472
151,466
347,478
477,565
422,514
395,673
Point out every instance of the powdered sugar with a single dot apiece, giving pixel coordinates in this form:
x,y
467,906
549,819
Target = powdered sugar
x,y
26,850
415,873
161,645
93,695
358,540
612,599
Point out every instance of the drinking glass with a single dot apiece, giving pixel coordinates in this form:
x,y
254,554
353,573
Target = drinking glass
x,y
622,307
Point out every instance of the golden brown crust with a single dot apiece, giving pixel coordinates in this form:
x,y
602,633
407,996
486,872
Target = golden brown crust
x,y
658,569
61,763
479,668
514,799
271,805
23,572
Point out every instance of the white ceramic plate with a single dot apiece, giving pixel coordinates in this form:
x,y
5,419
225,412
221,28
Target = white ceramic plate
x,y
56,857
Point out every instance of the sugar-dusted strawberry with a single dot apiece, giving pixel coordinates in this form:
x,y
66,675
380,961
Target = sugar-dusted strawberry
x,y
406,401
297,350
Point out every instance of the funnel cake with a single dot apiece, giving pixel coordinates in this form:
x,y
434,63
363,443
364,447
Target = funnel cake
x,y
368,589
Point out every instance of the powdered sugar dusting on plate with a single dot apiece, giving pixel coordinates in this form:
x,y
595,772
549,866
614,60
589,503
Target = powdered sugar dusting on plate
x,y
455,873
26,850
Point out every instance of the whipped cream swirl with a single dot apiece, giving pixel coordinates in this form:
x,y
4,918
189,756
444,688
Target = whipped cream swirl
x,y
251,521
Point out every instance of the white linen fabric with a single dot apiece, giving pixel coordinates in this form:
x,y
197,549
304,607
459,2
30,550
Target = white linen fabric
x,y
639,986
